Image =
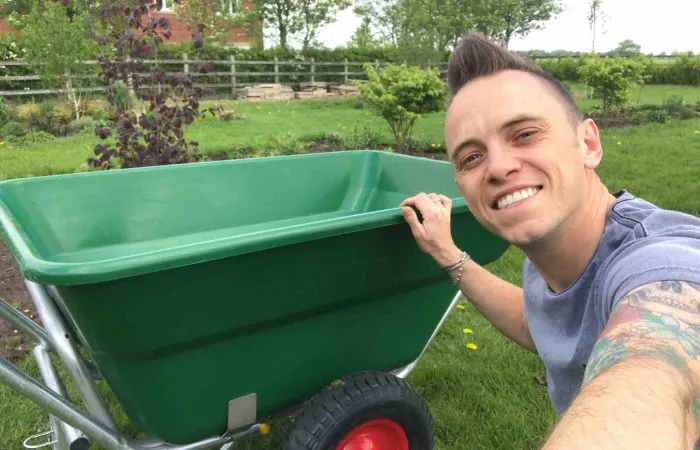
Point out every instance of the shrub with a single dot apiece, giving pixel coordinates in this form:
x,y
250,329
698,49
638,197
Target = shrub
x,y
157,136
363,138
12,130
34,137
285,144
228,115
563,69
5,111
677,108
658,114
84,125
118,95
684,70
400,94
612,78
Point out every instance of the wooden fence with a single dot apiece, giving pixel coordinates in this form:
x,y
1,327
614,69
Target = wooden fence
x,y
226,77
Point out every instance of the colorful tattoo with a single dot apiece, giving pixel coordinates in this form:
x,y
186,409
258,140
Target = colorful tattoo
x,y
659,320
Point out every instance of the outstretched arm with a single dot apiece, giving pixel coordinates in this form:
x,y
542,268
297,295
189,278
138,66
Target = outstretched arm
x,y
640,388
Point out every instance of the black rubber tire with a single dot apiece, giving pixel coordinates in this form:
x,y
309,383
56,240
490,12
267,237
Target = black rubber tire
x,y
331,414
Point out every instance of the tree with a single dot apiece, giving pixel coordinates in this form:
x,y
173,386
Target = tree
x,y
384,18
595,16
292,18
400,95
628,48
612,78
363,38
212,18
55,44
503,20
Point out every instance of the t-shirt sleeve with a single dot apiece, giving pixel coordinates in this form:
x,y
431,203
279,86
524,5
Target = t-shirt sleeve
x,y
647,261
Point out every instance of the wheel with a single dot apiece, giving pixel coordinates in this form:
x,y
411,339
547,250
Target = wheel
x,y
366,411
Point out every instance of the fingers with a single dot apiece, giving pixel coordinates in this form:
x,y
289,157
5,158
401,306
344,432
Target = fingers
x,y
412,219
426,202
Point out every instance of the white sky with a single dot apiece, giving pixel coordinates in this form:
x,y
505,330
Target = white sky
x,y
658,26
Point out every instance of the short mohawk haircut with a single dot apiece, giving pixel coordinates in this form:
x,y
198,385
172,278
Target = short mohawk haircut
x,y
476,56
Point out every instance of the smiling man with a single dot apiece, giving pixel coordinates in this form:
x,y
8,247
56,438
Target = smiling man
x,y
611,283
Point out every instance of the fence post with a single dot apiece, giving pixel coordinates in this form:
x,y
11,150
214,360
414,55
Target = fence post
x,y
313,70
277,71
345,75
185,64
233,76
130,81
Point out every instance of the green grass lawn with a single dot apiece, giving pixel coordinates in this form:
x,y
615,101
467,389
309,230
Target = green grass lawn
x,y
482,399
266,121
646,95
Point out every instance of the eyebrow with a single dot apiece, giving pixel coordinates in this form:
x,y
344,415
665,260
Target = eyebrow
x,y
520,118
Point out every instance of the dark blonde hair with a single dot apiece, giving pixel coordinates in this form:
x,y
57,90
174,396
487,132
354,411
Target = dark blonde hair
x,y
476,56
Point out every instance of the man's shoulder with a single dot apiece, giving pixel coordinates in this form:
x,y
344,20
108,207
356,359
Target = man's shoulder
x,y
653,244
643,219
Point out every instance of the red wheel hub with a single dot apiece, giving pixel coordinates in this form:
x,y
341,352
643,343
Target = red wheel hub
x,y
377,434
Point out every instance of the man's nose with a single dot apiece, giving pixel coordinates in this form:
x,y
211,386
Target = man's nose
x,y
502,163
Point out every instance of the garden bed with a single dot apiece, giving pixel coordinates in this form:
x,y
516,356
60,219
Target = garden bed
x,y
13,345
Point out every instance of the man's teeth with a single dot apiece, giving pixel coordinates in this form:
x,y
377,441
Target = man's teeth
x,y
515,197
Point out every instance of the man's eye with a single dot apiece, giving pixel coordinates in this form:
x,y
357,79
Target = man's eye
x,y
471,159
525,135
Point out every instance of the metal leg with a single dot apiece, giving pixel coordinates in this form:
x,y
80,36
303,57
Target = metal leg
x,y
59,407
403,372
60,338
24,324
73,439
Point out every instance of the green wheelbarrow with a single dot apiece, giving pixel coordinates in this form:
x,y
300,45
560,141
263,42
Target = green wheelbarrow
x,y
214,297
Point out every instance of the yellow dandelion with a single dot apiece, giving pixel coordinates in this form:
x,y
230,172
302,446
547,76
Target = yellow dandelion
x,y
460,306
472,346
468,331
696,132
619,143
264,429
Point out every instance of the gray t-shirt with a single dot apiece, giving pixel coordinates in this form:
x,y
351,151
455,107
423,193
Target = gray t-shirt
x,y
641,244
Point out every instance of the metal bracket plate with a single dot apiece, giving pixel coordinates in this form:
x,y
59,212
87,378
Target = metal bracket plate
x,y
242,411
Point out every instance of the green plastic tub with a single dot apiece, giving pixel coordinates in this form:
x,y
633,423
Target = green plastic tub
x,y
192,285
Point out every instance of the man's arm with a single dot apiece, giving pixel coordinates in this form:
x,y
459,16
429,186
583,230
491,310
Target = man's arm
x,y
640,387
501,302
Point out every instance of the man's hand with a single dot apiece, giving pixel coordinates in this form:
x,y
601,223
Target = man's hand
x,y
643,377
434,235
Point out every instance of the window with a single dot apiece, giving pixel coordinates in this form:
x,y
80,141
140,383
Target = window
x,y
226,7
223,7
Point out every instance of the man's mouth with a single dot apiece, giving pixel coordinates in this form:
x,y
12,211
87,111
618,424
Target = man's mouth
x,y
514,198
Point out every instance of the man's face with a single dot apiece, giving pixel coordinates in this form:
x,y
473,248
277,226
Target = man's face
x,y
519,161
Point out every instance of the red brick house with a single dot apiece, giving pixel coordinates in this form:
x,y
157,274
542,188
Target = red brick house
x,y
179,29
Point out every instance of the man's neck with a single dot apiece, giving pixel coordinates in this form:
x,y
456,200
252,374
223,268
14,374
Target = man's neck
x,y
564,256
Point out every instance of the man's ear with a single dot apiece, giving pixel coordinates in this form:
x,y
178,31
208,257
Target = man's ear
x,y
590,143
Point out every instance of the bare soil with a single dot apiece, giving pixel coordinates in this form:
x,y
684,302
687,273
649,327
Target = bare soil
x,y
13,344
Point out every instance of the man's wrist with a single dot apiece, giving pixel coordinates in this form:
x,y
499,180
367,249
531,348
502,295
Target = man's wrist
x,y
448,256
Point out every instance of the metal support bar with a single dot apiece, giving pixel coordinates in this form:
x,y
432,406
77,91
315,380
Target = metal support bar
x,y
59,407
403,372
101,435
73,438
24,324
60,338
